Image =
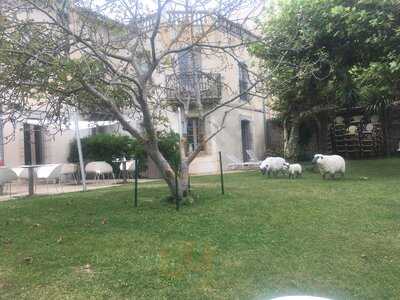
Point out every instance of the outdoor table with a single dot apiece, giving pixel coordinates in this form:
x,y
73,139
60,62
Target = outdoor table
x,y
31,177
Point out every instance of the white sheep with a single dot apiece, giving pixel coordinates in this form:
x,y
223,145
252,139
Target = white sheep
x,y
272,165
294,170
330,164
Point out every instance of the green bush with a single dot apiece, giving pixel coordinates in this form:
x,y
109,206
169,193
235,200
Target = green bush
x,y
169,147
105,147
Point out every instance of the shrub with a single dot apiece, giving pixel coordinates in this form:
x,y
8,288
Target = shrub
x,y
169,147
105,147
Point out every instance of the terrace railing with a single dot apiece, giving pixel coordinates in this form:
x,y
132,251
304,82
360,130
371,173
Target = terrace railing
x,y
198,18
187,86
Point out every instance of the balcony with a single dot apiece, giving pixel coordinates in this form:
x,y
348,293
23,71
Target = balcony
x,y
183,87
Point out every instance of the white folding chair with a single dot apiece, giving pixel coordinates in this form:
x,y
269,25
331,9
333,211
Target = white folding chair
x,y
22,173
253,157
69,170
130,168
7,176
235,162
100,169
48,173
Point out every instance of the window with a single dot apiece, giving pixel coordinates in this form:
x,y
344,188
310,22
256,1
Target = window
x,y
243,82
195,131
247,140
189,63
33,144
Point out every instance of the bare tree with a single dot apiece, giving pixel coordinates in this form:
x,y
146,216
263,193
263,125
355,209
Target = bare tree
x,y
124,58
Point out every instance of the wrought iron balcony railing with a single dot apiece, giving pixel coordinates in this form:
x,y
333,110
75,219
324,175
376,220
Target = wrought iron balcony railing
x,y
197,18
188,86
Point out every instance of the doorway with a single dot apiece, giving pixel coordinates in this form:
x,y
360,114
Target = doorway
x,y
33,144
247,141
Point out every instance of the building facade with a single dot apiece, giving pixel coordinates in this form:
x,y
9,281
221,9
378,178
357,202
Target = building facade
x,y
211,79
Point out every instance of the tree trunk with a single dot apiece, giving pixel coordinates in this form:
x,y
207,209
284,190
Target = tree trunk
x,y
184,167
168,174
291,136
163,166
184,179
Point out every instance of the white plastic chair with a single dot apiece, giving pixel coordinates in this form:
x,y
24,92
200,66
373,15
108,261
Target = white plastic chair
x,y
7,176
352,130
130,168
50,172
356,119
69,170
100,169
22,173
369,127
236,163
253,157
339,120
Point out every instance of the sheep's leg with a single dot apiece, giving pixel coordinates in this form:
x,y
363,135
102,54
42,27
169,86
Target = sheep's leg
x,y
332,175
323,176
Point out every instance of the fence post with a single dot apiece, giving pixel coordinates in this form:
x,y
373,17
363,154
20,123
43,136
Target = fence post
x,y
176,191
136,180
221,173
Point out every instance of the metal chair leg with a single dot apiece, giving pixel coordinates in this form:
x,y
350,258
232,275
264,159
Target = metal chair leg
x,y
115,181
74,177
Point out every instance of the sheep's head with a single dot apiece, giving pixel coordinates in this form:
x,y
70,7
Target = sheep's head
x,y
286,166
317,158
263,167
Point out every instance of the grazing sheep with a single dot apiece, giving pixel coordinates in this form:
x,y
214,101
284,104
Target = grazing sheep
x,y
330,164
272,165
294,170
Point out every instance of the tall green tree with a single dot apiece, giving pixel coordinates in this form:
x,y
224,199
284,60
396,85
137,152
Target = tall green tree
x,y
326,54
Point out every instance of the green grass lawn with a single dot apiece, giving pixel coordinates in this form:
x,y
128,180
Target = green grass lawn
x,y
266,237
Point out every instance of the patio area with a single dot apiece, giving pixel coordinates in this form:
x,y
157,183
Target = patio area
x,y
21,188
